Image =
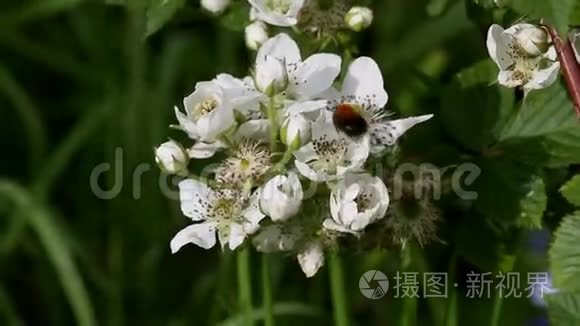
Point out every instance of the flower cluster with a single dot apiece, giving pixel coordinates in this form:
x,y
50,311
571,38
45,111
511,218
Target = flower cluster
x,y
291,174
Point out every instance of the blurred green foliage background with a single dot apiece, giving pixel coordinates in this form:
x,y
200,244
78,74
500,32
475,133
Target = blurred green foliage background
x,y
79,80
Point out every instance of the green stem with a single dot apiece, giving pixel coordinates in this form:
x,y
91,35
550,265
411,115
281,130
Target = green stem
x,y
338,291
409,309
271,113
497,306
244,285
451,312
267,292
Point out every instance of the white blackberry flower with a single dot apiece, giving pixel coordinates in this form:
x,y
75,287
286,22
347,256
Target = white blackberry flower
x,y
524,57
231,213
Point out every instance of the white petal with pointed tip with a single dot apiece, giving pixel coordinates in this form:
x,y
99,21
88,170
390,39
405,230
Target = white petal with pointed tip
x,y
202,235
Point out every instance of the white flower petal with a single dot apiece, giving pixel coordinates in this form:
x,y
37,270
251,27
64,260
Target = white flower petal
x,y
305,107
306,171
315,75
254,129
252,214
311,258
387,133
190,193
280,46
331,225
202,235
186,125
276,238
544,78
237,236
497,46
505,78
364,79
201,150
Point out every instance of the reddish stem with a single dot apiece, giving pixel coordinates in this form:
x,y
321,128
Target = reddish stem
x,y
570,68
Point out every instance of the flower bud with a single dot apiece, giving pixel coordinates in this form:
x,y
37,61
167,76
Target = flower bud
x,y
255,34
215,6
358,18
311,258
171,157
281,197
271,77
295,131
533,40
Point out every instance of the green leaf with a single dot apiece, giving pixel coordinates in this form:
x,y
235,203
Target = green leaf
x,y
510,193
475,123
545,127
470,234
160,13
557,12
571,190
575,16
565,254
533,205
564,308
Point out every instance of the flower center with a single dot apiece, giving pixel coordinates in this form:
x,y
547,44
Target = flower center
x,y
524,65
226,206
205,107
249,162
363,201
279,6
330,152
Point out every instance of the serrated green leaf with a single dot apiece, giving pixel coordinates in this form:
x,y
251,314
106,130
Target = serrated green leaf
x,y
556,12
543,112
472,110
564,308
545,127
160,13
571,190
565,254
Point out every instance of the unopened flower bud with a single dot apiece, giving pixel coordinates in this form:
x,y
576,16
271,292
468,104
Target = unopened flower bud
x,y
171,157
358,18
271,77
255,34
533,40
215,6
295,131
